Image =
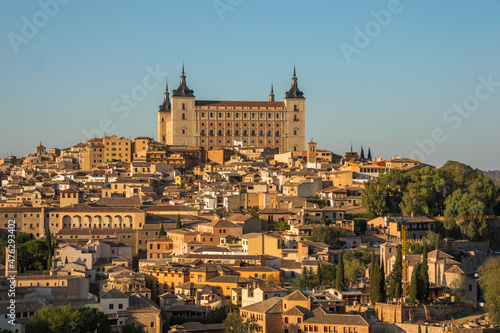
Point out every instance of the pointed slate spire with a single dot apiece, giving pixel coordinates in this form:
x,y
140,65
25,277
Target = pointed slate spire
x,y
294,78
294,91
166,100
271,95
183,76
183,89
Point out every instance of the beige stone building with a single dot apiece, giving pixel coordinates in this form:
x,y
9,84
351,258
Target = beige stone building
x,y
93,155
117,149
183,120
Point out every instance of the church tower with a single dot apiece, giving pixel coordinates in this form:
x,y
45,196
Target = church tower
x,y
311,151
295,125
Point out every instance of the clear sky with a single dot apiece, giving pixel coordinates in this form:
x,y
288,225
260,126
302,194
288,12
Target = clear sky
x,y
410,78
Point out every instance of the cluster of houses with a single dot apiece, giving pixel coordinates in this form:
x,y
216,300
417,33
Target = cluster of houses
x,y
145,232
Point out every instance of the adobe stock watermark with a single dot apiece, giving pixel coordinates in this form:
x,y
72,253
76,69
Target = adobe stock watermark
x,y
223,6
127,102
30,27
455,116
363,37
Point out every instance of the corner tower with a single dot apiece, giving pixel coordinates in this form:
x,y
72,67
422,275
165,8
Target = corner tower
x,y
295,104
180,125
164,113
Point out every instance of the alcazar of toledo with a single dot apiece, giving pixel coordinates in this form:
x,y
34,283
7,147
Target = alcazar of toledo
x,y
183,120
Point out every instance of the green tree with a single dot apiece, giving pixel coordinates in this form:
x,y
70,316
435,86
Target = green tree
x,y
235,324
283,226
382,193
424,277
394,287
464,211
415,283
328,235
50,249
178,224
216,316
372,263
352,268
162,232
489,281
319,272
340,279
328,273
32,255
434,240
375,283
374,197
424,192
68,318
382,287
254,211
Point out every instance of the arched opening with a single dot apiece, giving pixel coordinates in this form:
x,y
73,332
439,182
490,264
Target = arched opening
x,y
127,223
77,221
66,221
97,222
117,222
107,222
87,221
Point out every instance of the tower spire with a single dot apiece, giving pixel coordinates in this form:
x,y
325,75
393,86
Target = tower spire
x,y
165,106
166,89
271,95
294,91
183,76
294,78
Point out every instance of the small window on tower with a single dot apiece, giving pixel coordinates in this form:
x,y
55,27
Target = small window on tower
x,y
183,116
184,106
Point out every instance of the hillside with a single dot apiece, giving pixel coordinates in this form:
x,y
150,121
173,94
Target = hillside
x,y
494,175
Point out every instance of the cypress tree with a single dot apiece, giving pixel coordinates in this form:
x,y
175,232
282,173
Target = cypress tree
x,y
362,153
375,284
419,328
424,277
162,231
319,273
372,264
50,248
382,288
178,225
414,284
66,260
369,154
340,279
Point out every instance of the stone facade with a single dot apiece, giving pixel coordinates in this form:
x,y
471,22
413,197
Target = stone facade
x,y
183,120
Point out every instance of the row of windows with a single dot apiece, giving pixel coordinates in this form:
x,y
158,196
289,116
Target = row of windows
x,y
244,141
244,125
107,143
237,132
244,115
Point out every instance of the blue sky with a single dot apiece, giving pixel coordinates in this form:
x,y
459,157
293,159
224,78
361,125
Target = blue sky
x,y
395,93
